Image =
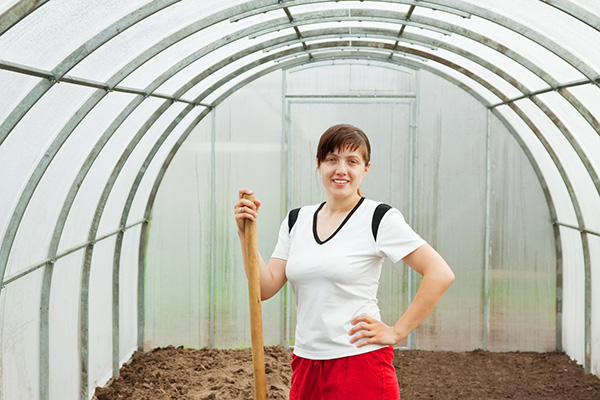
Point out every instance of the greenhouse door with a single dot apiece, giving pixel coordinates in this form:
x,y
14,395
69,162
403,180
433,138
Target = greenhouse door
x,y
389,124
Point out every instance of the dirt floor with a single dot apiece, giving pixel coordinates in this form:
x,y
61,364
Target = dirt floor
x,y
209,374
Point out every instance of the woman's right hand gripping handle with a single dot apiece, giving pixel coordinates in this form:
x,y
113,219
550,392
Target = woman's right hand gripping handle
x,y
244,208
272,275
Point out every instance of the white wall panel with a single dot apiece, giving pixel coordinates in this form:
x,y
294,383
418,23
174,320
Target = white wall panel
x,y
100,311
595,334
573,326
20,338
128,285
64,327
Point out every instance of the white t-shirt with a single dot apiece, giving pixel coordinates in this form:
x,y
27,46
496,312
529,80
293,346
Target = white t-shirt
x,y
336,280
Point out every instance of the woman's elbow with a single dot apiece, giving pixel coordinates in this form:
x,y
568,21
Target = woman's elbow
x,y
448,277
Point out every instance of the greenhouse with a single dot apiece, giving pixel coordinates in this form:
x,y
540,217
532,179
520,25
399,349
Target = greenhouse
x,y
127,129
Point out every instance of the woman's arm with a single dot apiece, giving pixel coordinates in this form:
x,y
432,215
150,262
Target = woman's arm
x,y
272,275
437,277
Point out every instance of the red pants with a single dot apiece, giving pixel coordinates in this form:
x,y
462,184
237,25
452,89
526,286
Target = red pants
x,y
369,376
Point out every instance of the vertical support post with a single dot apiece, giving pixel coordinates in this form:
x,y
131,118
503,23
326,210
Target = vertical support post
x,y
141,284
283,207
413,122
486,241
254,292
213,136
288,293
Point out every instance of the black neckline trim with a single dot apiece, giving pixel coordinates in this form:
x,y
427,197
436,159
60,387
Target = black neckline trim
x,y
339,227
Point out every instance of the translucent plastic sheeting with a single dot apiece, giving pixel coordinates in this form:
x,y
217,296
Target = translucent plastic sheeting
x,y
350,4
223,73
588,139
573,312
555,24
124,47
18,85
183,233
176,82
522,270
230,84
591,5
595,336
589,96
178,252
41,215
100,313
583,186
248,154
25,147
450,210
64,327
494,57
20,337
552,64
80,216
116,201
47,36
186,47
140,201
476,87
6,4
494,80
350,80
128,289
556,186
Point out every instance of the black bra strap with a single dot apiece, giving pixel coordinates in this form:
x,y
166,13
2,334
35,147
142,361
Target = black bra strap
x,y
377,216
292,217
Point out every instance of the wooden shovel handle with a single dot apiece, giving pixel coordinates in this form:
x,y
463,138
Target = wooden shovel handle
x,y
258,355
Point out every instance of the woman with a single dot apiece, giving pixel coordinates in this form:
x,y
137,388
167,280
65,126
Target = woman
x,y
332,254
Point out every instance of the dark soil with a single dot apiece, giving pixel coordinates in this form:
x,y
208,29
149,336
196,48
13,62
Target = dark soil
x,y
177,373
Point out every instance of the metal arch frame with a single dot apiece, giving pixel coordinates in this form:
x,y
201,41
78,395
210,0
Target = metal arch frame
x,y
128,67
575,11
120,237
483,13
578,149
568,57
559,257
17,12
73,59
147,214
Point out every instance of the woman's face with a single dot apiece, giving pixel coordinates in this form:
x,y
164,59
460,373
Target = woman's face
x,y
342,172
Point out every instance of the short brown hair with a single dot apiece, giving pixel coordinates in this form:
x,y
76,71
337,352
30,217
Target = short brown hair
x,y
343,136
